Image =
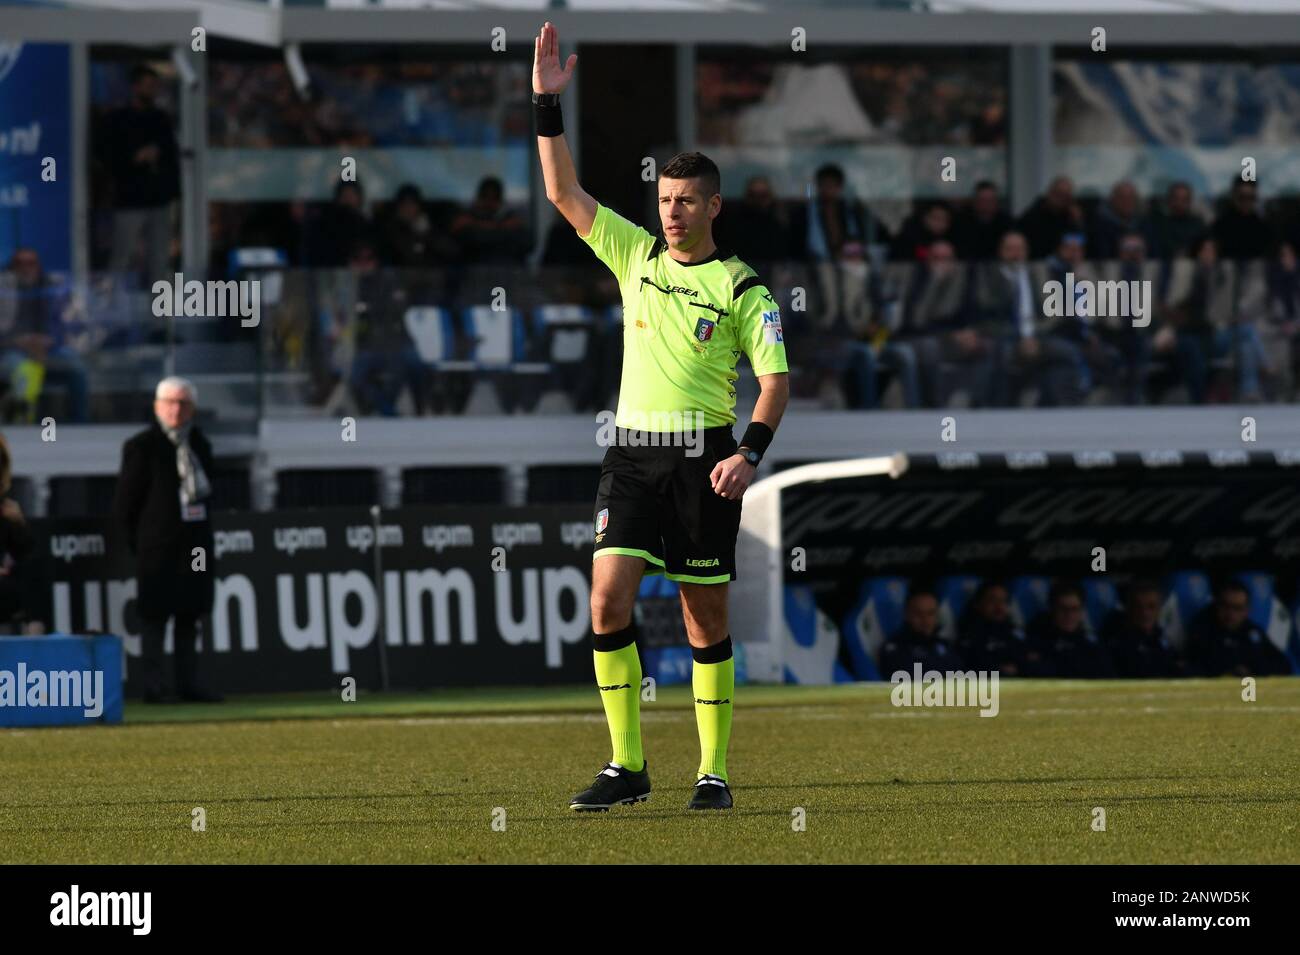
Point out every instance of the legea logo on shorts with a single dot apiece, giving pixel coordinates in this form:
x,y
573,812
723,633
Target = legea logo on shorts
x,y
709,562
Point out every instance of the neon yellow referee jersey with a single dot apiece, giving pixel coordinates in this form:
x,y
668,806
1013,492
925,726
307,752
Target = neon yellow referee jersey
x,y
684,327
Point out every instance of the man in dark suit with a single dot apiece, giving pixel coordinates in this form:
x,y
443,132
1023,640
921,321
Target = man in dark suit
x,y
162,506
918,640
1223,640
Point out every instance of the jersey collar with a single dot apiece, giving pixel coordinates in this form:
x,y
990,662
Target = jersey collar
x,y
717,255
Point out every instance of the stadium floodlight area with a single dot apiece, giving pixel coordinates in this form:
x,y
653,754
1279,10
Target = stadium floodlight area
x,y
757,598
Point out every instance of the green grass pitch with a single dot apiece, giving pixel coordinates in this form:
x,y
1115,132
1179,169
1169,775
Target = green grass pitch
x,y
1185,771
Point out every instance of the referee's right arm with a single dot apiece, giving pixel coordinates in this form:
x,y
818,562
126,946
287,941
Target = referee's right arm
x,y
562,187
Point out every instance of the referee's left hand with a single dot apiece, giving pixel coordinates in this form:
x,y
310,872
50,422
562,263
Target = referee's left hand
x,y
731,477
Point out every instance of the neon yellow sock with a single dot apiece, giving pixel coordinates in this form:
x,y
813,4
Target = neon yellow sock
x,y
618,673
715,687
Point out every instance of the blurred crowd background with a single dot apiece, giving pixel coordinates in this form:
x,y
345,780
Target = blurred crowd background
x,y
900,288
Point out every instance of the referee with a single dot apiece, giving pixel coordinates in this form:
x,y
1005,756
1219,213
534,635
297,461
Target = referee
x,y
671,483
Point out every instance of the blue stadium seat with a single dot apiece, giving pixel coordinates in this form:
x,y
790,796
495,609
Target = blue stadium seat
x,y
813,643
877,612
1028,597
433,332
954,592
1100,598
657,585
1293,643
1265,609
1189,591
567,330
499,336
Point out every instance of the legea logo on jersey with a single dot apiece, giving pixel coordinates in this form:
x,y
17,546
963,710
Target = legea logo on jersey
x,y
772,327
704,330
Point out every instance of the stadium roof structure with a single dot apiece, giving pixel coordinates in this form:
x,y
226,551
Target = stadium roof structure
x,y
916,22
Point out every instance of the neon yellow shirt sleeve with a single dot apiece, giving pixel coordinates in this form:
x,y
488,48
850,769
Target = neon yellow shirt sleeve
x,y
761,335
617,242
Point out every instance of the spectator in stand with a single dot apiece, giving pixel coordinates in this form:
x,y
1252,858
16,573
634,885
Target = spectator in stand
x,y
918,640
869,350
1131,346
36,338
935,325
834,232
144,161
979,227
1137,640
1240,232
1054,213
410,242
920,231
1207,331
1118,216
755,227
341,225
1097,360
385,358
1175,227
989,638
24,588
1281,333
1008,305
489,232
1223,640
1062,636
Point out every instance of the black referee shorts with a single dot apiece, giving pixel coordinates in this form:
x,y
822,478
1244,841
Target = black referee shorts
x,y
658,503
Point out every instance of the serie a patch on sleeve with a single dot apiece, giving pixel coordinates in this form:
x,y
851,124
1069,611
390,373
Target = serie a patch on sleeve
x,y
772,327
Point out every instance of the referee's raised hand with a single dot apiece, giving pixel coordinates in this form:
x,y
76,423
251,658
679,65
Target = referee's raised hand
x,y
548,75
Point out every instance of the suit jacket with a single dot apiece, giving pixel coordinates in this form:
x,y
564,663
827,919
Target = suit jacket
x,y
147,512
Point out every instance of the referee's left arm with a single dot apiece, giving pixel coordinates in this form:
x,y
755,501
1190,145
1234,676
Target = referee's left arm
x,y
731,478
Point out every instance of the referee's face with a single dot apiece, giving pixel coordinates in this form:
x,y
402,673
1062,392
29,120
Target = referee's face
x,y
685,213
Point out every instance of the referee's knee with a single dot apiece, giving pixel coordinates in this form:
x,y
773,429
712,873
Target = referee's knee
x,y
609,613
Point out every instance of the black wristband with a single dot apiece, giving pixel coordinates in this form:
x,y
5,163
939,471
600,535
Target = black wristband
x,y
757,436
548,119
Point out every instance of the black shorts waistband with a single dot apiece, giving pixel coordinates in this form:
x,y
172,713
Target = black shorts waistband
x,y
634,437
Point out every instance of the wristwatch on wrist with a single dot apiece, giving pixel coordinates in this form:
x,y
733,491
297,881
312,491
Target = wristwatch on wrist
x,y
750,455
546,99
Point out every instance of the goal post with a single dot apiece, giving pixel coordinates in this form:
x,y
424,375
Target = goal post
x,y
757,597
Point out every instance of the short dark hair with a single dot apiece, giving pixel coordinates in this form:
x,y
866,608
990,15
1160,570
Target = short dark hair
x,y
407,190
140,71
1062,588
694,166
1142,585
1233,584
361,246
490,184
343,185
985,184
921,590
986,585
830,171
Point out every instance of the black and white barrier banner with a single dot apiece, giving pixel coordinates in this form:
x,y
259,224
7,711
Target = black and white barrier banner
x,y
470,595
1053,515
